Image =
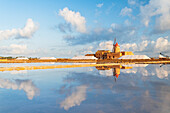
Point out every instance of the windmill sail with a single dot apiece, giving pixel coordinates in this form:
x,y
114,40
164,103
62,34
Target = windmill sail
x,y
113,50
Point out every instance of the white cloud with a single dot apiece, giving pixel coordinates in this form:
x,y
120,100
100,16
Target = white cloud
x,y
128,46
26,32
126,11
108,45
29,29
26,85
75,19
14,49
99,5
159,9
162,44
143,45
131,2
75,98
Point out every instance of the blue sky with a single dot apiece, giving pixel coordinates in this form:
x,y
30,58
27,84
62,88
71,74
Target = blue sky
x,y
64,28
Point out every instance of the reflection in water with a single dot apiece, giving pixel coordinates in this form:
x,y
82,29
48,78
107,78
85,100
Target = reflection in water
x,y
29,88
138,90
150,101
113,70
79,93
19,72
160,71
75,98
132,93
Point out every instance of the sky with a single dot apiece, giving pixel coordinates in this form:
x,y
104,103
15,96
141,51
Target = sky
x,y
67,28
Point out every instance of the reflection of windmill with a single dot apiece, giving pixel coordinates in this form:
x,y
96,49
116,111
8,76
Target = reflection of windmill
x,y
116,73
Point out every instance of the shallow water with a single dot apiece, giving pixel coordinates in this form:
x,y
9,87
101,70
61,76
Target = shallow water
x,y
142,89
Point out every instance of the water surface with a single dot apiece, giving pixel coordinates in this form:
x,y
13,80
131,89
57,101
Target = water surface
x,y
141,89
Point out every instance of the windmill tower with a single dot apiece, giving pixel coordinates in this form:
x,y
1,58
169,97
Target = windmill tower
x,y
116,47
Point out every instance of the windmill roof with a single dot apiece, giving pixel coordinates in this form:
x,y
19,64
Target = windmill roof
x,y
116,45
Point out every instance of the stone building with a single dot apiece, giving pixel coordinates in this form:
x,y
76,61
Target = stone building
x,y
115,54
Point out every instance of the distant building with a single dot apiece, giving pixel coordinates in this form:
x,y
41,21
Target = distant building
x,y
134,57
84,57
22,58
161,56
47,58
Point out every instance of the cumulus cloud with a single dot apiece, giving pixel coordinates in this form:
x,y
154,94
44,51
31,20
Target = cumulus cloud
x,y
27,32
75,98
160,45
75,19
108,45
126,11
131,2
29,88
160,9
99,5
128,46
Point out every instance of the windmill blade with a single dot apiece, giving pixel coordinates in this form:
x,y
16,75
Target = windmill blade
x,y
114,41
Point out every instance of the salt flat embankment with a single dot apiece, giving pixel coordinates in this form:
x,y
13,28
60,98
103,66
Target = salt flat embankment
x,y
136,61
54,66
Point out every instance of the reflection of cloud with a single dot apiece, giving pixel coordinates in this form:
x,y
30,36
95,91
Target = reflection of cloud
x,y
143,71
106,72
161,73
153,92
129,70
19,72
30,89
75,98
137,65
